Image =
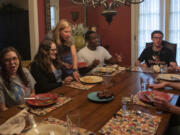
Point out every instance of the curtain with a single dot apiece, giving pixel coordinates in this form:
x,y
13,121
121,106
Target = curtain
x,y
149,20
174,26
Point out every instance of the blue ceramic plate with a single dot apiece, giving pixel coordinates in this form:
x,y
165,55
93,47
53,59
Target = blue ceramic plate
x,y
93,97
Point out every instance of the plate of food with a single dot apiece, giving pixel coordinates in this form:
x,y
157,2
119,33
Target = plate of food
x,y
91,79
101,96
105,69
41,100
148,96
169,77
48,129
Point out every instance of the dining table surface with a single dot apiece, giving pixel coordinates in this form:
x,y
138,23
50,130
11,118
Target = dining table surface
x,y
93,115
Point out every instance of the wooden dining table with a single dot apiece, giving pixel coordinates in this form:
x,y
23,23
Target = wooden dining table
x,y
93,115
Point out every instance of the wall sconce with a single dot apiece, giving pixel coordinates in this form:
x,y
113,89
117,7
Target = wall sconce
x,y
75,16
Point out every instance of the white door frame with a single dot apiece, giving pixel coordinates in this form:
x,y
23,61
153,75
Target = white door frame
x,y
134,33
33,26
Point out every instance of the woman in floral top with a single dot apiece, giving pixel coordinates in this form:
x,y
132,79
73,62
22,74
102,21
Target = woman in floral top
x,y
15,82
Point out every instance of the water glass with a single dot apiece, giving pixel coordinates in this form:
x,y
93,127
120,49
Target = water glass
x,y
163,68
126,106
73,122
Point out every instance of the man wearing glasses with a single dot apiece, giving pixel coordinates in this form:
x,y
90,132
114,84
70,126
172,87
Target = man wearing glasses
x,y
156,54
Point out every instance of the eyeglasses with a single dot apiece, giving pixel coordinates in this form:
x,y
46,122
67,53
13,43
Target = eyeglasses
x,y
53,50
9,60
160,38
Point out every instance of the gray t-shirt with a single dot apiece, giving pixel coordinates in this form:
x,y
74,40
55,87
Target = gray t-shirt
x,y
16,95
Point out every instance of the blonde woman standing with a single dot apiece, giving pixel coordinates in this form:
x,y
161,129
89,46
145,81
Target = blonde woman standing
x,y
61,35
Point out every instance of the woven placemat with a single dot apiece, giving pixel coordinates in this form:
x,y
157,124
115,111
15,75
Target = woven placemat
x,y
134,124
78,85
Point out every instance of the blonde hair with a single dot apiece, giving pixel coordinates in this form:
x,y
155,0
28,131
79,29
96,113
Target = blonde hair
x,y
61,26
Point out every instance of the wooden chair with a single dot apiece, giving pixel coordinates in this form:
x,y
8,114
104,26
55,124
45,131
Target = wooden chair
x,y
26,63
171,46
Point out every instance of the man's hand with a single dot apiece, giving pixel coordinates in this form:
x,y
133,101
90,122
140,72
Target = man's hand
x,y
158,86
118,58
162,103
95,63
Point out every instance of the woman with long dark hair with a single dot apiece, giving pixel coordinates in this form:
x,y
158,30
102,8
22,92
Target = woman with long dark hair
x,y
15,82
47,68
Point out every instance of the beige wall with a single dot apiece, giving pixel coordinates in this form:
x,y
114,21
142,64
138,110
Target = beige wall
x,y
19,3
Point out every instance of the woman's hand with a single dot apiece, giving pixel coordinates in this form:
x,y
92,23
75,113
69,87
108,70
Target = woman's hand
x,y
68,66
76,76
68,80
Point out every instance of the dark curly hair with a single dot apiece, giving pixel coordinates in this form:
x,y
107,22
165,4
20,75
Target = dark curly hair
x,y
4,73
88,33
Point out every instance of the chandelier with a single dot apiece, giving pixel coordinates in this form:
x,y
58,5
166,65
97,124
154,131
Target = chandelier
x,y
109,6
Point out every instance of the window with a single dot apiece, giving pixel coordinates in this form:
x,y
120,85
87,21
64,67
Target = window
x,y
149,20
153,15
54,9
174,26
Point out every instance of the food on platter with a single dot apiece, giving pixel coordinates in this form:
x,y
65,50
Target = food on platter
x,y
91,79
104,94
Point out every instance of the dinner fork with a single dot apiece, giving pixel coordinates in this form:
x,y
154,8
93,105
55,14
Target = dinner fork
x,y
36,98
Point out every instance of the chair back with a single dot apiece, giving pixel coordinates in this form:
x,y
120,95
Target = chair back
x,y
171,46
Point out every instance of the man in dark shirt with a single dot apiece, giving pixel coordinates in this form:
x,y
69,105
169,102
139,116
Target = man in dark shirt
x,y
157,53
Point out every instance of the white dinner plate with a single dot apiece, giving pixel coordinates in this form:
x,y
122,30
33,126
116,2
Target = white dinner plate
x,y
91,79
48,129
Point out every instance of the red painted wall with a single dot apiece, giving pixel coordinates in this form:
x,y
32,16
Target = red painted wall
x,y
65,9
116,35
41,19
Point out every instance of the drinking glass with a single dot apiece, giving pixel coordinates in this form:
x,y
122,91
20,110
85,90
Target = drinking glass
x,y
73,122
163,68
126,105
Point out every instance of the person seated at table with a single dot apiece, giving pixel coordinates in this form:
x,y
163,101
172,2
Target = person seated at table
x,y
61,35
47,69
94,54
15,82
163,104
157,53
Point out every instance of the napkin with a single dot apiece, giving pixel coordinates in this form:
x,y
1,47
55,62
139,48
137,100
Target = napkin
x,y
15,124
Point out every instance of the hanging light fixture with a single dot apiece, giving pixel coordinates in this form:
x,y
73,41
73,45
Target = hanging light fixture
x,y
109,6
